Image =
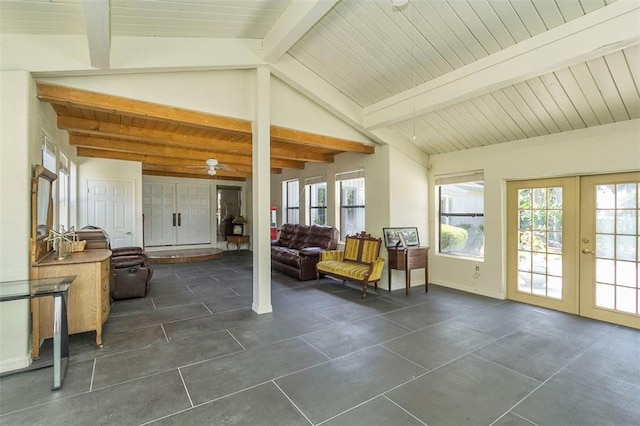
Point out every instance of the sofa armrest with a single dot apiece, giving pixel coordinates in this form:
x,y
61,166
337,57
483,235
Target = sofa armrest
x,y
332,255
376,270
310,251
127,251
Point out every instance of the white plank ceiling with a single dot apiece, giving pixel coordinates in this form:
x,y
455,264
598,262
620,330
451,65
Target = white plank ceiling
x,y
371,52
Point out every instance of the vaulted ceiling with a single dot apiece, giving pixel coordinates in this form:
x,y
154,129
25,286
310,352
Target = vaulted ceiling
x,y
432,76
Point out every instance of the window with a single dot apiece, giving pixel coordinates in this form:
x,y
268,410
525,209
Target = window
x,y
350,186
317,200
461,214
63,191
48,153
291,202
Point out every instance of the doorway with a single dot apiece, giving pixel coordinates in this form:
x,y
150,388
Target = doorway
x,y
228,209
572,245
176,214
110,207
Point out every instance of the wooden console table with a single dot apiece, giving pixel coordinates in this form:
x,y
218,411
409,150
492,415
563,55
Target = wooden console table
x,y
407,259
238,240
88,306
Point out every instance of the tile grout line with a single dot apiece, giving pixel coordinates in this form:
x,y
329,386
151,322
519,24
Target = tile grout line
x,y
185,388
310,344
372,398
541,384
402,408
164,332
207,308
291,401
234,338
93,374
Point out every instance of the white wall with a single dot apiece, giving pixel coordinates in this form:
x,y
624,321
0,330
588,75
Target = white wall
x,y
408,204
15,224
226,93
290,109
604,149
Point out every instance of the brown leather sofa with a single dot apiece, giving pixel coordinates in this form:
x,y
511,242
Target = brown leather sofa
x,y
297,249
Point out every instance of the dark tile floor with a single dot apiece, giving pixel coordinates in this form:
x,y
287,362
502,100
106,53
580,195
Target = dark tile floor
x,y
194,353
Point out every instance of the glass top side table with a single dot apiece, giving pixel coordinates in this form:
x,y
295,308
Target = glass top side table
x,y
57,288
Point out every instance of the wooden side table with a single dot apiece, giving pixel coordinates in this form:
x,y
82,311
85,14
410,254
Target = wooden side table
x,y
238,240
407,259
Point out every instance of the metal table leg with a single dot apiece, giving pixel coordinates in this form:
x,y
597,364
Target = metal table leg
x,y
60,340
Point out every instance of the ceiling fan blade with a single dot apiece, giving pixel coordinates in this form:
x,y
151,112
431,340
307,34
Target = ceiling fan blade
x,y
225,168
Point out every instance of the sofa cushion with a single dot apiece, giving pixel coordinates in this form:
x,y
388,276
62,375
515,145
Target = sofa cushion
x,y
286,234
285,256
323,236
353,270
351,248
299,240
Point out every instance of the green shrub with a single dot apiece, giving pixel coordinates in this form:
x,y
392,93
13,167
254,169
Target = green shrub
x,y
452,238
475,240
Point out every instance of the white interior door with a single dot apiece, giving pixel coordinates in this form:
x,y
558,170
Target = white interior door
x,y
110,207
194,214
158,206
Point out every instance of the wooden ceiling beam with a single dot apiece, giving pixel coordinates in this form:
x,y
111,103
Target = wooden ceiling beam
x,y
152,149
314,140
187,170
69,96
298,154
189,175
159,160
163,150
94,127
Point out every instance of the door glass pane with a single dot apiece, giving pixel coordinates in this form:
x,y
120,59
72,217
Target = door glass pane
x,y
617,240
540,244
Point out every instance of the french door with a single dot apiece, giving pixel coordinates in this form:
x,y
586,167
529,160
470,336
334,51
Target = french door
x,y
176,214
572,245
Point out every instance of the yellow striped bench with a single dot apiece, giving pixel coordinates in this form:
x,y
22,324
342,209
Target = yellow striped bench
x,y
360,261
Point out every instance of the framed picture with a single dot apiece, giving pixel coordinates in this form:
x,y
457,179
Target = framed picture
x,y
391,236
238,229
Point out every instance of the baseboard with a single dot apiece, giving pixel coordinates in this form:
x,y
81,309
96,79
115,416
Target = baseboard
x,y
469,289
17,363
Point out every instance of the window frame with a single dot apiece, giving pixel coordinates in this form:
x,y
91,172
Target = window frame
x,y
446,214
316,186
341,178
289,209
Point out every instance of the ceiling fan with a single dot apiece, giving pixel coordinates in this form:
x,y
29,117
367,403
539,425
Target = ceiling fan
x,y
212,165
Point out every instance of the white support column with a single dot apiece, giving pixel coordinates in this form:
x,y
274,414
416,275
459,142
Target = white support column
x,y
261,183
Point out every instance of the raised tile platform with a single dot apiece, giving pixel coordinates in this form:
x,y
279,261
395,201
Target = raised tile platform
x,y
184,255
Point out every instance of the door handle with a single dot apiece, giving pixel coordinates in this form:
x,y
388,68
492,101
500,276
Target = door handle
x,y
179,219
128,232
174,219
587,251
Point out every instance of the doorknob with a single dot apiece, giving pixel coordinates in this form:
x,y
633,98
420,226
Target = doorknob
x,y
128,232
586,251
